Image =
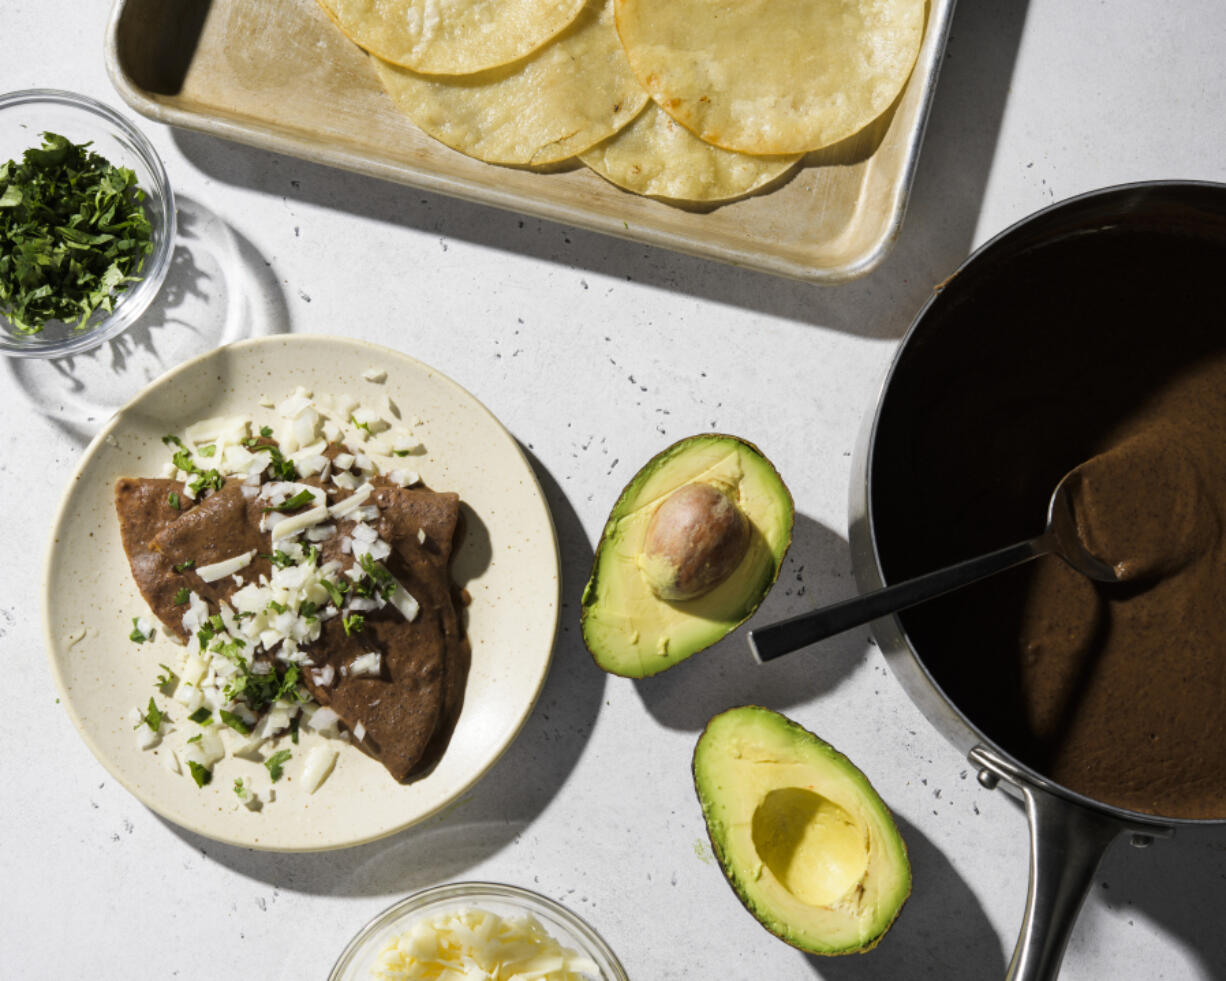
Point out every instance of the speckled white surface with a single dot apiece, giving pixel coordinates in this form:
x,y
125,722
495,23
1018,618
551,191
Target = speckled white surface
x,y
595,353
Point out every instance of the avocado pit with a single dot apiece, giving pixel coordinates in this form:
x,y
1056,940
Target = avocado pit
x,y
695,539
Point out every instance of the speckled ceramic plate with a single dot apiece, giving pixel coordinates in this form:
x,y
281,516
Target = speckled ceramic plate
x,y
508,561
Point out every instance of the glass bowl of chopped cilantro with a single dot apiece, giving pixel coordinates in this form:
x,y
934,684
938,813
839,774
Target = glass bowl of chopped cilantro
x,y
87,221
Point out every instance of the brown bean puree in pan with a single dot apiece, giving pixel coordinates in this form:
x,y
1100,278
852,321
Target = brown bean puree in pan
x,y
1107,353
407,712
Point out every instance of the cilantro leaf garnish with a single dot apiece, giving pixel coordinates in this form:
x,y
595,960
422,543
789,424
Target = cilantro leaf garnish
x,y
278,558
336,591
266,432
235,722
354,623
202,717
184,566
137,635
201,774
73,234
275,763
182,596
152,718
166,678
279,466
173,500
294,503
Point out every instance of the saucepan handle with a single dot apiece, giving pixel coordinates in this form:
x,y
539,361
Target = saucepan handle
x,y
1067,843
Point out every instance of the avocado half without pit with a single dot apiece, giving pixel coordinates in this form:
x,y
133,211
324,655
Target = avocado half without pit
x,y
802,837
692,546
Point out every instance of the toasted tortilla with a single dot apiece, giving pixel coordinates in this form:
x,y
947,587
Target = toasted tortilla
x,y
451,37
568,96
657,156
772,76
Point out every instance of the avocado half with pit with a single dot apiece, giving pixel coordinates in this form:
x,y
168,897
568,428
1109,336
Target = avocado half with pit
x,y
802,837
691,547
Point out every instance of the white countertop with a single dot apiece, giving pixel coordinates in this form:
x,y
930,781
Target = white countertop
x,y
596,353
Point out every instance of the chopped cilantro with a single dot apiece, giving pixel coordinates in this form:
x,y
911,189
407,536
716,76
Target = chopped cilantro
x,y
137,635
235,722
336,591
310,554
293,730
196,737
364,426
278,465
202,717
182,596
266,432
201,774
173,500
354,623
73,234
401,452
206,478
184,566
277,607
376,581
294,503
308,610
278,558
173,440
166,678
210,450
275,763
152,718
240,789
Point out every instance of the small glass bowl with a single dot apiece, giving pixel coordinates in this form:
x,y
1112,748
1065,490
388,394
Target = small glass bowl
x,y
568,929
24,117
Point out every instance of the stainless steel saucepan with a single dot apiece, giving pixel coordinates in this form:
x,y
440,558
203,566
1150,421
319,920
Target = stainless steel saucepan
x,y
979,345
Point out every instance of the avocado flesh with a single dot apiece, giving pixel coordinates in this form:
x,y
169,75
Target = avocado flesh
x,y
631,631
802,836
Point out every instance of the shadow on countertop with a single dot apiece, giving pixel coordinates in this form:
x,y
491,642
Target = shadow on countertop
x,y
939,230
501,805
219,289
1179,885
816,571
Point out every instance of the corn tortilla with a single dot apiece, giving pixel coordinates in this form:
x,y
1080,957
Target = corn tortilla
x,y
451,37
657,156
558,102
772,76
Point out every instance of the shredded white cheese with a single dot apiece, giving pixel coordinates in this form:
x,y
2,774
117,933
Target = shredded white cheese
x,y
226,567
478,945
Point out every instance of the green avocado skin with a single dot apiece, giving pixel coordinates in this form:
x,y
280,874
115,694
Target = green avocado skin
x,y
729,803
621,642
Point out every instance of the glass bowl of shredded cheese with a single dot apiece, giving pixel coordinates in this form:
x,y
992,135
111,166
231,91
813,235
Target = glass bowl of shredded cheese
x,y
483,931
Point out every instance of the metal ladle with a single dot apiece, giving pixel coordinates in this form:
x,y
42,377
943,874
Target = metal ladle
x,y
1059,538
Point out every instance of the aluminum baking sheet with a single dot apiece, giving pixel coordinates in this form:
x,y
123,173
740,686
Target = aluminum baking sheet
x,y
282,77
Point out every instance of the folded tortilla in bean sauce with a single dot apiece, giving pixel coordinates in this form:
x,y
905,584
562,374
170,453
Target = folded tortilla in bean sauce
x,y
404,714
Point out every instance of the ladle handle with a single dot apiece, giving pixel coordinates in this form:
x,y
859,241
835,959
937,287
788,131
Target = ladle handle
x,y
777,639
